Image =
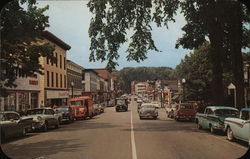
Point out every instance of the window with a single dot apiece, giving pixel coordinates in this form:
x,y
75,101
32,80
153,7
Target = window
x,y
60,80
48,112
60,61
56,59
64,63
52,79
56,80
34,100
47,78
65,81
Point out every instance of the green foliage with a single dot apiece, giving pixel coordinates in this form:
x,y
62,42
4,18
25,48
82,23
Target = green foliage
x,y
21,30
129,74
196,69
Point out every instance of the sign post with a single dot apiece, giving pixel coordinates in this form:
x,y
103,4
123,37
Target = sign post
x,y
232,86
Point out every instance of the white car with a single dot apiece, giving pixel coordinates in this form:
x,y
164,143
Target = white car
x,y
239,128
43,118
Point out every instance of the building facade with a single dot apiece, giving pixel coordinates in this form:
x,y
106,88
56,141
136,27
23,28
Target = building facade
x,y
141,88
74,78
24,96
53,85
91,83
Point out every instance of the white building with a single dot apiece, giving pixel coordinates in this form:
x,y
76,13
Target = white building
x,y
141,88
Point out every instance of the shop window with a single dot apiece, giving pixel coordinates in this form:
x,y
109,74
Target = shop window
x,y
10,102
34,100
56,79
47,78
23,101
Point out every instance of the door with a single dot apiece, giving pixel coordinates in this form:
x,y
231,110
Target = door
x,y
244,131
13,127
49,117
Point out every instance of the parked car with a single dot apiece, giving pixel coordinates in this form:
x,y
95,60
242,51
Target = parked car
x,y
64,113
121,104
13,125
148,111
43,118
184,111
239,128
96,109
214,116
111,103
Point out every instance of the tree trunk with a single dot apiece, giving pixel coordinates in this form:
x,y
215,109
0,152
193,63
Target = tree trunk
x,y
217,95
235,39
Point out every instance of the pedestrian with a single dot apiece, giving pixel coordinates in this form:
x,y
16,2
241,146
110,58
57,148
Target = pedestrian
x,y
41,104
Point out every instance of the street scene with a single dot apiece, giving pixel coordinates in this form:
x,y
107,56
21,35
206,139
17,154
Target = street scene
x,y
108,135
125,79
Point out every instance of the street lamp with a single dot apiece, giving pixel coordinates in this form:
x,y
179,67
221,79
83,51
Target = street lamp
x,y
72,88
183,82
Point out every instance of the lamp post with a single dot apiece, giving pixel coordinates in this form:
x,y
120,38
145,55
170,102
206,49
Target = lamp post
x,y
72,88
183,83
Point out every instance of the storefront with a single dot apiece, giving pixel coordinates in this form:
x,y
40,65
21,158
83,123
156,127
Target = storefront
x,y
23,97
56,97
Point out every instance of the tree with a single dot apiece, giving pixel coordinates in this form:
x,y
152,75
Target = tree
x,y
196,68
206,19
21,31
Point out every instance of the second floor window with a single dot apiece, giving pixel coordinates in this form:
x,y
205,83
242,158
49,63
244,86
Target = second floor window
x,y
56,59
56,79
60,61
47,78
65,81
61,81
52,79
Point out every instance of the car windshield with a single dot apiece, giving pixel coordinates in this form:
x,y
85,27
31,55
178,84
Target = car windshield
x,y
186,106
226,112
62,108
2,117
120,101
148,106
35,111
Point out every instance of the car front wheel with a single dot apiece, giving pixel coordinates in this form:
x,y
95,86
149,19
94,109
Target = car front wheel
x,y
230,135
212,130
45,127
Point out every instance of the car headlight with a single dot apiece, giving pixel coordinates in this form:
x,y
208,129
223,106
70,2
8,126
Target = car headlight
x,y
39,118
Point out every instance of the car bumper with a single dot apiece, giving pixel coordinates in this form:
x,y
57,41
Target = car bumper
x,y
37,125
185,117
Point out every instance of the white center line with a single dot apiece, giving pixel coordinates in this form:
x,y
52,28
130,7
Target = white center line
x,y
134,154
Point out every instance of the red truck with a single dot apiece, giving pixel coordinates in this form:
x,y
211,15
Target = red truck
x,y
185,111
82,107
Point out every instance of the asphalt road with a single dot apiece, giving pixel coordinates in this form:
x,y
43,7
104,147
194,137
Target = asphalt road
x,y
122,135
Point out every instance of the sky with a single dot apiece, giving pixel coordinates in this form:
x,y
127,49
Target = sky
x,y
69,21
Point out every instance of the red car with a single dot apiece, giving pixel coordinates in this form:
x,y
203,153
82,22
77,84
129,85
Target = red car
x,y
185,111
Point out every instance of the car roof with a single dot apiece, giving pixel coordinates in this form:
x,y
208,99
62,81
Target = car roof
x,y
9,112
245,109
40,108
221,107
